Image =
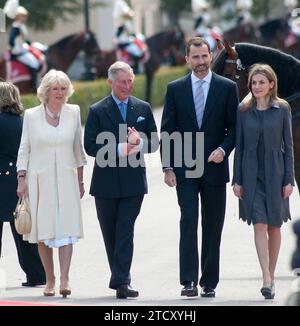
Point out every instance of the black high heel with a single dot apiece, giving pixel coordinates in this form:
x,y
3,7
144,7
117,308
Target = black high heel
x,y
268,291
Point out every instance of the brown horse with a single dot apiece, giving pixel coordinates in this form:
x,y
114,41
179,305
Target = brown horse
x,y
61,54
275,33
233,63
171,40
242,33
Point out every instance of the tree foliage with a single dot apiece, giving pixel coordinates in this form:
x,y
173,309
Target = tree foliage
x,y
44,13
174,8
176,5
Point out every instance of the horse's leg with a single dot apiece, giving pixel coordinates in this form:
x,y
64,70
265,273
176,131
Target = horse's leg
x,y
25,87
2,68
149,82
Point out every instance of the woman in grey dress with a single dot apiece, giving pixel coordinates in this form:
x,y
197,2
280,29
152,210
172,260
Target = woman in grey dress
x,y
264,167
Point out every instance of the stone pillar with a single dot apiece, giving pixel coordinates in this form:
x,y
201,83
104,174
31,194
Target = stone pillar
x,y
138,8
147,16
102,19
152,20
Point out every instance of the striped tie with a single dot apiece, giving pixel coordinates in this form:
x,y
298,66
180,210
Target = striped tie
x,y
199,102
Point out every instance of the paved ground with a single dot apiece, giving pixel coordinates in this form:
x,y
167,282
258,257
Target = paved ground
x,y
155,264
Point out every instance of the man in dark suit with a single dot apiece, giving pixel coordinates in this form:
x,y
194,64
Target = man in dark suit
x,y
119,130
200,102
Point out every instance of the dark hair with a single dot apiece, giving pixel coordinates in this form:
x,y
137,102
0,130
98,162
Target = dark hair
x,y
10,100
196,41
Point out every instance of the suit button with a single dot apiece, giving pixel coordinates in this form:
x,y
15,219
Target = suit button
x,y
11,164
7,172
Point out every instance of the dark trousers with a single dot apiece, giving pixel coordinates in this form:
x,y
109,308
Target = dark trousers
x,y
213,200
117,217
28,256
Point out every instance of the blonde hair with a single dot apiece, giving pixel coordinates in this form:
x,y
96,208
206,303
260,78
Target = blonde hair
x,y
269,73
10,100
51,78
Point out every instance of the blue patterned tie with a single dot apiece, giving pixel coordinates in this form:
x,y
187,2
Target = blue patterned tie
x,y
123,110
199,102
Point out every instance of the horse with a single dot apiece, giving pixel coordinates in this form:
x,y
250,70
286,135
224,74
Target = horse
x,y
245,32
172,40
277,33
234,62
60,55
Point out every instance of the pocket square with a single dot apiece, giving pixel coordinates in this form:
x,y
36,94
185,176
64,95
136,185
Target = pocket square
x,y
139,119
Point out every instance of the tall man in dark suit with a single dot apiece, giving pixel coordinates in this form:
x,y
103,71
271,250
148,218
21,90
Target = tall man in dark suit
x,y
119,130
200,102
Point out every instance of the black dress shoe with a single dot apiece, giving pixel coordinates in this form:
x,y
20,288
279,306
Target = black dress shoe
x,y
33,283
207,292
125,291
268,291
190,290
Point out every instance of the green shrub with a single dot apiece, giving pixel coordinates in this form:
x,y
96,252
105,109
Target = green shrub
x,y
87,93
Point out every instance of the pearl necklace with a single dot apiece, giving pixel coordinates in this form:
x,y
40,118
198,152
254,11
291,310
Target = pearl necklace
x,y
54,116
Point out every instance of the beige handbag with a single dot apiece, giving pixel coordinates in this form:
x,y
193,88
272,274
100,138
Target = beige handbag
x,y
22,216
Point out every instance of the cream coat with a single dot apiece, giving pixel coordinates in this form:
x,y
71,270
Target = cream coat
x,y
45,152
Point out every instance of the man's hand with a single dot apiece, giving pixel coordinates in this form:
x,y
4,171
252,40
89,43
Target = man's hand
x,y
129,149
133,137
217,156
170,178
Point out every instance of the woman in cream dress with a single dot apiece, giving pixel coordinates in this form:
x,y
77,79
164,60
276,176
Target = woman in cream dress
x,y
50,171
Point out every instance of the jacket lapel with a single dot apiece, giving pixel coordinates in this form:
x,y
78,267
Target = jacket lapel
x,y
132,114
113,112
187,92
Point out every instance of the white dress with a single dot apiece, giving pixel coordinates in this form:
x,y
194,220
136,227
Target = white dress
x,y
51,156
59,241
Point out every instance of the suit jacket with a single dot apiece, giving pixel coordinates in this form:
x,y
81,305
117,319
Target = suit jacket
x,y
218,123
10,136
104,116
52,154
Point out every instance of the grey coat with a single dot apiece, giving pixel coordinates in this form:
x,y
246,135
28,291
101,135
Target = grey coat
x,y
279,160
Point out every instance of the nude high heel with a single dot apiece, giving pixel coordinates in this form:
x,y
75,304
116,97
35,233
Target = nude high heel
x,y
65,292
49,293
